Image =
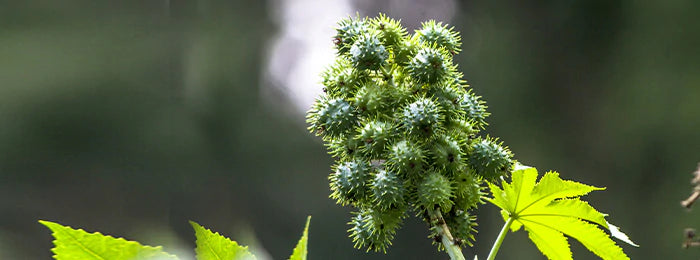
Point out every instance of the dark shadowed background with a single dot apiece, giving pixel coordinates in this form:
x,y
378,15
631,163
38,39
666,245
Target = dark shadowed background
x,y
133,117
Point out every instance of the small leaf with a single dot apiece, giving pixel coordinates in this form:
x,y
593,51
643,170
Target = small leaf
x,y
550,209
300,250
72,244
212,246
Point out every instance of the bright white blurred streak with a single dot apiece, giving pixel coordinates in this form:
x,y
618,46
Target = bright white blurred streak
x,y
303,46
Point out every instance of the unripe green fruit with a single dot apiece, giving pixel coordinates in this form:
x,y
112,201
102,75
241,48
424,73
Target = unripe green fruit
x,y
407,157
374,98
405,51
341,80
430,65
332,117
447,153
449,99
489,159
367,53
391,32
434,33
421,117
462,129
387,190
349,182
387,220
475,109
359,231
349,29
435,191
374,137
468,191
462,225
342,146
375,229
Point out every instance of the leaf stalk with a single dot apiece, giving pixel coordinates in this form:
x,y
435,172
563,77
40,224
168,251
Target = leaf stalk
x,y
499,239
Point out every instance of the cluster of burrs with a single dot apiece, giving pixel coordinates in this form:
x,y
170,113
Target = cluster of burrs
x,y
403,126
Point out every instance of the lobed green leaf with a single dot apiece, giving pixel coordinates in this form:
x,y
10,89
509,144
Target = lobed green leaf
x,y
550,209
74,244
212,246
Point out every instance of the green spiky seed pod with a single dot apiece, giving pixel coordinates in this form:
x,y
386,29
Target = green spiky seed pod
x,y
435,191
348,31
407,157
359,231
421,117
475,109
438,34
430,65
332,117
342,147
462,129
374,99
391,32
368,53
448,97
349,182
447,153
374,137
490,159
405,51
374,229
341,80
463,226
387,190
468,191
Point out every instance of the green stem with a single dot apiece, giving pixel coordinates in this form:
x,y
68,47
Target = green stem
x,y
499,240
446,237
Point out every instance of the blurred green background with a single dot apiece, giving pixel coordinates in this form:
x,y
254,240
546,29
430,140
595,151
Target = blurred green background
x,y
132,117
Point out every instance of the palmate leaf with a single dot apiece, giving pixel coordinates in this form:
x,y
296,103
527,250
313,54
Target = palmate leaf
x,y
550,209
77,244
212,246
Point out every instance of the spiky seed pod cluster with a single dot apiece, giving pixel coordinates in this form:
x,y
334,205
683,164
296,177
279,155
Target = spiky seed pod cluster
x,y
404,128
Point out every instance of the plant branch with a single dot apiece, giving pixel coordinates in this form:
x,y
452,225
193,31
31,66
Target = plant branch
x,y
687,203
690,200
690,240
499,240
446,237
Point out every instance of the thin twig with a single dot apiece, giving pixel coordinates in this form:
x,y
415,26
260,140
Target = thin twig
x,y
689,233
687,203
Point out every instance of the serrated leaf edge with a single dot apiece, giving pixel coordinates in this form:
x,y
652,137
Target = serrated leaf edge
x,y
297,253
56,228
196,226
